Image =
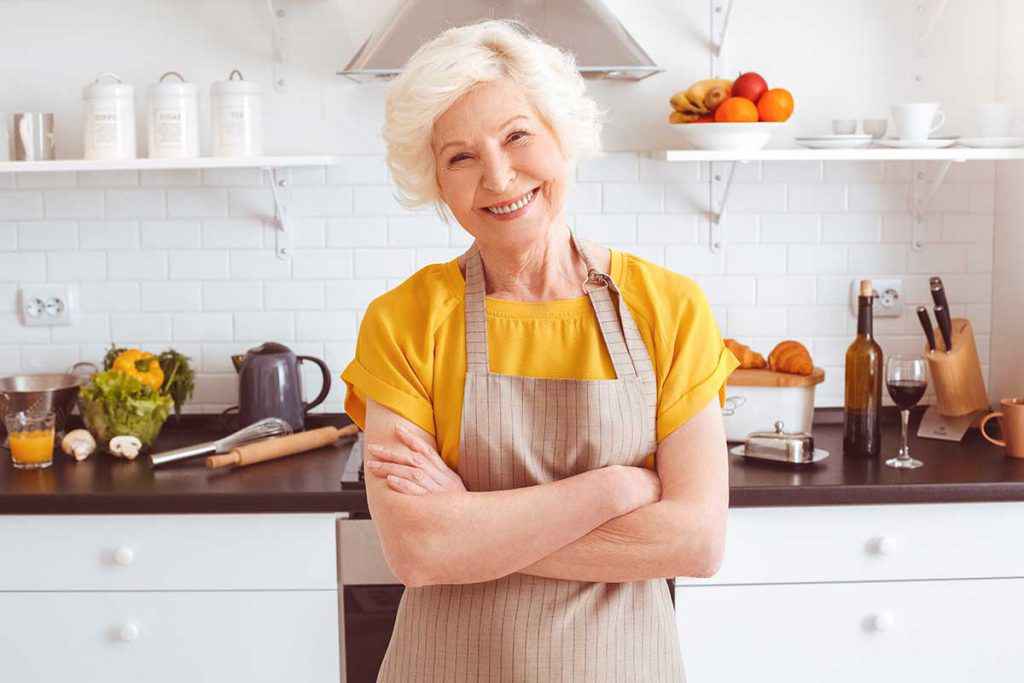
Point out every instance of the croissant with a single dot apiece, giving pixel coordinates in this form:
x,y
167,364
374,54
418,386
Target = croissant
x,y
791,357
745,355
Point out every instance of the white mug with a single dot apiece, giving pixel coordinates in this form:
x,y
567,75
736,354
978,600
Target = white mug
x,y
917,120
994,119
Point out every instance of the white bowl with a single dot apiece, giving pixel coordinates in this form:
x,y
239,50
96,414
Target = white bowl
x,y
737,137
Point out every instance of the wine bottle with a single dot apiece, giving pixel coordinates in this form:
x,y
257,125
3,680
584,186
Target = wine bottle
x,y
862,437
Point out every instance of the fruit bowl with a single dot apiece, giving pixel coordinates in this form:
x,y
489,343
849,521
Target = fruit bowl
x,y
735,137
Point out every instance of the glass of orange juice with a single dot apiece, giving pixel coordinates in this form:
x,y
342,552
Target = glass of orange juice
x,y
30,437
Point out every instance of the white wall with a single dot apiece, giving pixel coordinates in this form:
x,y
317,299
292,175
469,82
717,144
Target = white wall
x,y
184,259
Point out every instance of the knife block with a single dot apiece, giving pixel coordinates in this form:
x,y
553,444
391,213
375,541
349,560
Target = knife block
x,y
956,375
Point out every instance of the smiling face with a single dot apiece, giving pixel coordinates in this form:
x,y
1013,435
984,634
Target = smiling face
x,y
494,151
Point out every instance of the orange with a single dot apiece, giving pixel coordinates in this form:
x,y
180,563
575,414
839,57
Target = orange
x,y
775,105
736,110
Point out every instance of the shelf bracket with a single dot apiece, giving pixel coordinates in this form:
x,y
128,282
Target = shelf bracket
x,y
933,20
721,11
923,193
277,45
282,235
719,184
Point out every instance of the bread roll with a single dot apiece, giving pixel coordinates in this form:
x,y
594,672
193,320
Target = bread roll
x,y
745,355
791,357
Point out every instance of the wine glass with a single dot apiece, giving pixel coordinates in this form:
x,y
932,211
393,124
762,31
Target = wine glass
x,y
906,378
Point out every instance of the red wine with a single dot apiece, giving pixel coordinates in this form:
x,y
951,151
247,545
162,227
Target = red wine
x,y
906,392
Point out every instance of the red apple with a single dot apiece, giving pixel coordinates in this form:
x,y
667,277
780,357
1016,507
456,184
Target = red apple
x,y
749,85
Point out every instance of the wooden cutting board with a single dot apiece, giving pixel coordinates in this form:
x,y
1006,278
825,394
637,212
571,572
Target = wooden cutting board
x,y
770,378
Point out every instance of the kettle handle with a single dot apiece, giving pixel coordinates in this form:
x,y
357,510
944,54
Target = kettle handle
x,y
324,390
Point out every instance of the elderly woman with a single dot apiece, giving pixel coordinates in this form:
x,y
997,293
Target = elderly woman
x,y
542,444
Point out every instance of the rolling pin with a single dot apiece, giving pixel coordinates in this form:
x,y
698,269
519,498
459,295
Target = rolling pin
x,y
280,446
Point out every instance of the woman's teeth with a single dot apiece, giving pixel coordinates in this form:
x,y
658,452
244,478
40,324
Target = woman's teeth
x,y
523,201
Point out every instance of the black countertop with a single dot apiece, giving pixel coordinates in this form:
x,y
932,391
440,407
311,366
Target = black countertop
x,y
972,470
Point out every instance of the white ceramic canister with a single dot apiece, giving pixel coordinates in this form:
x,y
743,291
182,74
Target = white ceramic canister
x,y
236,113
172,115
108,118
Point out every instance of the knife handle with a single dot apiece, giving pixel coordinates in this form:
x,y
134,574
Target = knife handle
x,y
945,326
926,325
938,292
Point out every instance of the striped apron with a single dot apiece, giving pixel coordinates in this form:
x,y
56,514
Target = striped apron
x,y
522,431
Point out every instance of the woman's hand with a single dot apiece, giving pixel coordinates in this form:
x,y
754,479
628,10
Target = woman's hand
x,y
637,486
417,472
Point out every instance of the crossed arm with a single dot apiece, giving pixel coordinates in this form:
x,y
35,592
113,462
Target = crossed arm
x,y
588,527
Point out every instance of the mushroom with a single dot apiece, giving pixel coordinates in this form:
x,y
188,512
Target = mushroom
x,y
78,443
125,446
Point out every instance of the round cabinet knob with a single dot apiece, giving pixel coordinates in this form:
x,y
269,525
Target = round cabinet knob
x,y
884,546
881,622
124,556
128,633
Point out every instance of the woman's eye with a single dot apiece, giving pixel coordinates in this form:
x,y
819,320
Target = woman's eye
x,y
458,157
522,133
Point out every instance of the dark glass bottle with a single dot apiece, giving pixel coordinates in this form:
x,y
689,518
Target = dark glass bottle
x,y
862,436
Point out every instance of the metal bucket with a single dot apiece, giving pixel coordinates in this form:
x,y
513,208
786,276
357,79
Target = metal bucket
x,y
43,391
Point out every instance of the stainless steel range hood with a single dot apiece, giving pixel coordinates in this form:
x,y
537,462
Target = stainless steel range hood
x,y
603,47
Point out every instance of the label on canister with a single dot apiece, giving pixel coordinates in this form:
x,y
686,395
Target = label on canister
x,y
232,127
168,128
104,127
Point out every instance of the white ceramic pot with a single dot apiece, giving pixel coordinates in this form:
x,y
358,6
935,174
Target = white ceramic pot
x,y
752,407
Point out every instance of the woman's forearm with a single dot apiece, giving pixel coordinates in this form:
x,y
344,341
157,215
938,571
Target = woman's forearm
x,y
649,542
468,537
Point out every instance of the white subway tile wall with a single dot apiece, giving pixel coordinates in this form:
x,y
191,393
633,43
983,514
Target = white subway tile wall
x,y
186,258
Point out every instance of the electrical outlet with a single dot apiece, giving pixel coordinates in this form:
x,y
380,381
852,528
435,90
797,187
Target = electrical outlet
x,y
47,305
888,301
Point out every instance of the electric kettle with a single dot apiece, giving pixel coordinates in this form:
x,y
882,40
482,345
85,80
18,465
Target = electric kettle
x,y
270,385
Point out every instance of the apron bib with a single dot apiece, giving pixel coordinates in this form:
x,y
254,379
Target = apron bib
x,y
521,431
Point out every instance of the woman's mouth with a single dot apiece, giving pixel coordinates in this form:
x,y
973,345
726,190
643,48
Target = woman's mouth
x,y
515,209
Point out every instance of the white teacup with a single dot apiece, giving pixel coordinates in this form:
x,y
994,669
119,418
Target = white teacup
x,y
994,119
917,120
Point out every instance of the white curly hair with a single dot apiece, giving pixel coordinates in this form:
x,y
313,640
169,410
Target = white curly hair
x,y
448,66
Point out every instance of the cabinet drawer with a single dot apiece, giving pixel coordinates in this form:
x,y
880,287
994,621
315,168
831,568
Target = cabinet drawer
x,y
933,631
176,552
877,542
179,636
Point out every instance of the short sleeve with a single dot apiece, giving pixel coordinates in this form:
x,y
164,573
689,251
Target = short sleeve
x,y
695,363
390,368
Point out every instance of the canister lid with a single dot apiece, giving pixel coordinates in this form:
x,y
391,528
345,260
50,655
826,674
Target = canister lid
x,y
235,85
113,86
172,88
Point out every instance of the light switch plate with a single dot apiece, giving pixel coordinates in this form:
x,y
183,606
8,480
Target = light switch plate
x,y
48,305
888,302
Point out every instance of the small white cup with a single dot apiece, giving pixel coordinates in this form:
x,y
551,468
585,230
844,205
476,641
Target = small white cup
x,y
917,120
844,126
875,127
994,120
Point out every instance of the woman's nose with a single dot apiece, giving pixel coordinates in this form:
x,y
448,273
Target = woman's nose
x,y
498,175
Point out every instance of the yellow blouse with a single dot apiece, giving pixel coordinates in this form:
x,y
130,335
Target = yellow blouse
x,y
411,352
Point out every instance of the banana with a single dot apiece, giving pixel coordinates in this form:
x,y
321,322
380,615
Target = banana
x,y
715,96
698,92
684,105
680,117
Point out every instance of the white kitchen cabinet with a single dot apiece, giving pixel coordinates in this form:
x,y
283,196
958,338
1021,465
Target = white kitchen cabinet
x,y
854,593
173,636
168,552
192,597
935,631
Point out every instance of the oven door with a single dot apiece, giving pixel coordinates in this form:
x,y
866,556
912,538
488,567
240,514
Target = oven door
x,y
370,597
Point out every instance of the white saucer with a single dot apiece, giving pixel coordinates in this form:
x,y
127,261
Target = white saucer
x,y
931,143
989,143
834,141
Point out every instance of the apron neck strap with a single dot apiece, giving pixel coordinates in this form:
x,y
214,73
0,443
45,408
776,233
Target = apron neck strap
x,y
616,324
